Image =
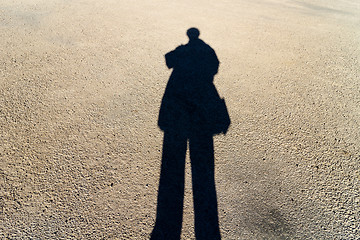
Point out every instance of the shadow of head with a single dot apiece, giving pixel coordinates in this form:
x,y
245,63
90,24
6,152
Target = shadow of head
x,y
193,33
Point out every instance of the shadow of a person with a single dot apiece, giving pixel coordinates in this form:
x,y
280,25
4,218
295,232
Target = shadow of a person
x,y
191,109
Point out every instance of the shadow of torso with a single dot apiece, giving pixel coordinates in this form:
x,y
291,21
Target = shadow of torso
x,y
190,96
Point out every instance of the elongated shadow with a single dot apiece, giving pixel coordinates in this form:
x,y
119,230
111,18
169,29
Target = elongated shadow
x,y
191,110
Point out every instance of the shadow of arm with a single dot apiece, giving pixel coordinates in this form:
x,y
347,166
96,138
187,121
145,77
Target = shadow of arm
x,y
171,58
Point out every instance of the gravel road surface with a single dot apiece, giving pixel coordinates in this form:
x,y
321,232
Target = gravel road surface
x,y
81,84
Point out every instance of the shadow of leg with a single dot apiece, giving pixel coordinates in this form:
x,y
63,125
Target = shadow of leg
x,y
171,188
203,180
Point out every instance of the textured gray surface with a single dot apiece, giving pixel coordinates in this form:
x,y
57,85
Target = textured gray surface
x,y
81,84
